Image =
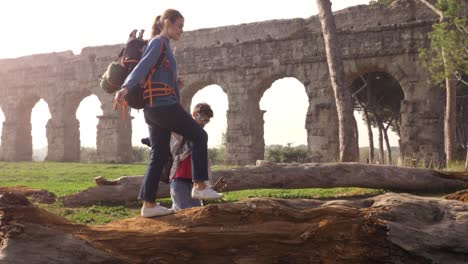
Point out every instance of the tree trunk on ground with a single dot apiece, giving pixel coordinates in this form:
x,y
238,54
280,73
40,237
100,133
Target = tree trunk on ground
x,y
291,176
389,228
349,146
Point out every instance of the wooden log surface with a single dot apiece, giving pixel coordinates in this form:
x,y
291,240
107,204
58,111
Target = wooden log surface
x,y
292,176
388,228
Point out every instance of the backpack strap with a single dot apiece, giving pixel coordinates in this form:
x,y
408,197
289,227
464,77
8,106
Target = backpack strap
x,y
155,89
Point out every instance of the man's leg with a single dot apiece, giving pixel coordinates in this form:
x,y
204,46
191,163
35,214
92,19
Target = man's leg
x,y
181,195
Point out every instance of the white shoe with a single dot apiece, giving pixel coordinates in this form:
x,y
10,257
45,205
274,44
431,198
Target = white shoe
x,y
206,194
155,211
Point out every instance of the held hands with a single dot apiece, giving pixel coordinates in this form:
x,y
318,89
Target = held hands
x,y
119,97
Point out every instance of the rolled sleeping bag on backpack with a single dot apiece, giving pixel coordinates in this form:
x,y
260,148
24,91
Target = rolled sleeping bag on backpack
x,y
113,78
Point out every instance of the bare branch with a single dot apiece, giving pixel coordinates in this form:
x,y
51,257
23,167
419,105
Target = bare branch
x,y
389,123
459,78
365,84
462,30
433,8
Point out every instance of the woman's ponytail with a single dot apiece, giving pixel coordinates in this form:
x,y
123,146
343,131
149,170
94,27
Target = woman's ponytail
x,y
158,24
157,27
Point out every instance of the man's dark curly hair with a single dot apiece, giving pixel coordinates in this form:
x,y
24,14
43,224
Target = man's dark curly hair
x,y
204,109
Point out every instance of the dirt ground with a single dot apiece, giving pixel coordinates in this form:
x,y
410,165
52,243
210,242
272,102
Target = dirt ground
x,y
35,195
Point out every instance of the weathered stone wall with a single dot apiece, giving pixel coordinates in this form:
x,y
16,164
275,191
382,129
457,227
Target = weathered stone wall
x,y
244,61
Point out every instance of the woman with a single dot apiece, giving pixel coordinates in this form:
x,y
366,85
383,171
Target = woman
x,y
164,114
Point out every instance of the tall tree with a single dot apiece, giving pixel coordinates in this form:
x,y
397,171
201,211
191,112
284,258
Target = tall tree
x,y
349,146
448,61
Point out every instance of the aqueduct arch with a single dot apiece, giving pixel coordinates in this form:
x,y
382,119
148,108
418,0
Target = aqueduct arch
x,y
240,59
284,104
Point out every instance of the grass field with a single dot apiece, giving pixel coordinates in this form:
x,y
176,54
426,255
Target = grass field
x,y
69,178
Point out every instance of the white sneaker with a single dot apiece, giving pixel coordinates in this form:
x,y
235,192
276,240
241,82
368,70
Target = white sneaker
x,y
158,210
206,194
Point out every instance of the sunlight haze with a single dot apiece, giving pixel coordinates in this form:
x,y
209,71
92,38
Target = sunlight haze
x,y
47,26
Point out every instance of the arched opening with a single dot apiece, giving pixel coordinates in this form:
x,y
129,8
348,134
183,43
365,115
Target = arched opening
x,y
285,104
40,115
139,127
217,99
2,119
87,113
377,97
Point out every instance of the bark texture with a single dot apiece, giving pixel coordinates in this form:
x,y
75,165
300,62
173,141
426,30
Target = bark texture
x,y
349,146
389,228
292,176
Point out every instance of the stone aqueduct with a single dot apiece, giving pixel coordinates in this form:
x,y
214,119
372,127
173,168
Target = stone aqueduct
x,y
244,60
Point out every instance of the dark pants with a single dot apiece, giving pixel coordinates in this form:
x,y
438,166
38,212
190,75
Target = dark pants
x,y
161,122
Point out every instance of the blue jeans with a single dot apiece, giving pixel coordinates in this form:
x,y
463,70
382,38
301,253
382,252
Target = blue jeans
x,y
181,191
163,120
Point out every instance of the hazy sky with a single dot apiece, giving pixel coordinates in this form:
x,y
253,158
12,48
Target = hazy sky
x,y
33,26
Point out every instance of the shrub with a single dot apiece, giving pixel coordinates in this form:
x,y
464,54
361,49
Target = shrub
x,y
88,155
217,155
286,154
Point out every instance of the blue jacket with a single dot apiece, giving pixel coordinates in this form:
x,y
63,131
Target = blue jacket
x,y
167,72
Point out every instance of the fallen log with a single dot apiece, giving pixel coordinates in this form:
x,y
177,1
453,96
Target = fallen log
x,y
292,176
389,228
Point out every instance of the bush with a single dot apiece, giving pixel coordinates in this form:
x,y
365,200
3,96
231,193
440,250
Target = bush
x,y
88,155
217,155
286,154
141,154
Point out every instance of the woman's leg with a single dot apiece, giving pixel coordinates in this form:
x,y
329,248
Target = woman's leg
x,y
160,153
180,195
176,119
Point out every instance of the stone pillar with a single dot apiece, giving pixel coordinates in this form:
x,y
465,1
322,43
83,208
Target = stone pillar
x,y
322,125
62,129
114,138
422,123
16,134
16,141
63,137
422,136
244,135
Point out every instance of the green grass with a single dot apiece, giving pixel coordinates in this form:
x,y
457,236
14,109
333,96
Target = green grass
x,y
456,166
309,193
62,178
98,215
69,178
94,215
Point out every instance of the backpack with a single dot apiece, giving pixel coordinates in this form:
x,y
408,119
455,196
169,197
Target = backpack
x,y
118,70
121,67
135,97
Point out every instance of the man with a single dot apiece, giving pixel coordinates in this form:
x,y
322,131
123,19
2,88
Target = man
x,y
180,177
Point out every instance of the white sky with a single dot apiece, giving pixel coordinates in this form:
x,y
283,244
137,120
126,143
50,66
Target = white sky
x,y
32,26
